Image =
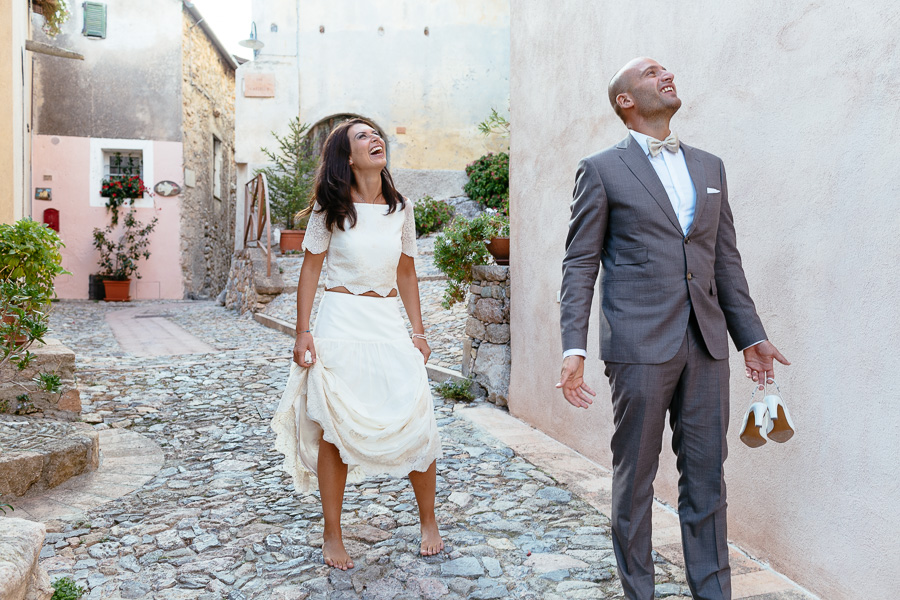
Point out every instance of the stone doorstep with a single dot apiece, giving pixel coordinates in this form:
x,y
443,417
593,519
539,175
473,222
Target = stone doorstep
x,y
20,547
593,482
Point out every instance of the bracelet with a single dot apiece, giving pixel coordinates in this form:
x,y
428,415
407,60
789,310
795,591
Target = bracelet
x,y
307,331
421,336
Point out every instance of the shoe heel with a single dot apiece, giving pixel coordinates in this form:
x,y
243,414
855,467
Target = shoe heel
x,y
753,429
782,427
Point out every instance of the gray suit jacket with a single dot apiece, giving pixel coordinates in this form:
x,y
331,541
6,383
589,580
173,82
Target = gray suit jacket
x,y
652,273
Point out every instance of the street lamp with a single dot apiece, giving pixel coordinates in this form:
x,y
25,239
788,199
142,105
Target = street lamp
x,y
252,43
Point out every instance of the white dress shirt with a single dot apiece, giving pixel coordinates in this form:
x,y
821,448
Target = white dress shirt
x,y
673,174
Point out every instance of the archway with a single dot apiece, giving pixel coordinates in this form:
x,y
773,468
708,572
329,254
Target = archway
x,y
319,131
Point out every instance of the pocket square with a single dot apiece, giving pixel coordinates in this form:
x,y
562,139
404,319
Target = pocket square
x,y
710,190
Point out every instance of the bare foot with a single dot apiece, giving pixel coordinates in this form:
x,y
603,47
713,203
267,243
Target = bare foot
x,y
335,554
431,540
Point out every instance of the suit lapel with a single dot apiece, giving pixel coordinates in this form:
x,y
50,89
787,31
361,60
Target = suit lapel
x,y
634,158
698,177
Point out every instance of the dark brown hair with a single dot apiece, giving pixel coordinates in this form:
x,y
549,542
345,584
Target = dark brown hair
x,y
334,179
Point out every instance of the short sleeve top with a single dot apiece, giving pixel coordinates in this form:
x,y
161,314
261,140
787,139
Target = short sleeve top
x,y
364,258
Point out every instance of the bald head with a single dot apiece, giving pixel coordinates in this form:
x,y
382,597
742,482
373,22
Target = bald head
x,y
623,81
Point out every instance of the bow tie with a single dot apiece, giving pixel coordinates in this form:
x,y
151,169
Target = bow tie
x,y
670,143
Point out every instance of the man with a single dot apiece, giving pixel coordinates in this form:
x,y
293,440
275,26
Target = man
x,y
655,215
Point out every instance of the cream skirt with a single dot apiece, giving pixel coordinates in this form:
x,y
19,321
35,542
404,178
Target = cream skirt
x,y
367,394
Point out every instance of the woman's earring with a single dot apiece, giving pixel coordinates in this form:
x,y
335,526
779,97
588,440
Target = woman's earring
x,y
351,161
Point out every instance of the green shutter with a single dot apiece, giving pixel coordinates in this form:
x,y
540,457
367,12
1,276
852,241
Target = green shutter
x,y
94,20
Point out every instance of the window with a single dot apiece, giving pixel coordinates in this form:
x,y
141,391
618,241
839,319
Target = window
x,y
123,163
94,20
218,164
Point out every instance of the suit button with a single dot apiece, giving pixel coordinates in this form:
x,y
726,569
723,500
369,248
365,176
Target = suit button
x,y
690,276
687,240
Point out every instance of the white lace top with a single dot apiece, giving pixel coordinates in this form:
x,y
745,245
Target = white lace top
x,y
364,258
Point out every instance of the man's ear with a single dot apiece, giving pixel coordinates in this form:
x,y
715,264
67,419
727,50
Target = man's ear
x,y
624,100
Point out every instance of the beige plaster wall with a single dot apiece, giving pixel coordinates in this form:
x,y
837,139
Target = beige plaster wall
x,y
374,59
800,101
15,86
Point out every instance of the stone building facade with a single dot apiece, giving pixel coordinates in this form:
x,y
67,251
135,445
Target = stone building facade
x,y
207,129
157,86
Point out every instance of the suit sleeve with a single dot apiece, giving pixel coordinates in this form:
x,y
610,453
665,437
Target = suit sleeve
x,y
584,244
743,323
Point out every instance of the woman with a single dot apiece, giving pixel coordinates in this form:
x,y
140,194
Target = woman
x,y
357,401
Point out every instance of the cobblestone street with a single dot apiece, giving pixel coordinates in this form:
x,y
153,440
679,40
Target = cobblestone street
x,y
221,520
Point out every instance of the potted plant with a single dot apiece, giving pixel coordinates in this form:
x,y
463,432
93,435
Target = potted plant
x,y
118,259
463,245
431,215
118,189
30,260
290,179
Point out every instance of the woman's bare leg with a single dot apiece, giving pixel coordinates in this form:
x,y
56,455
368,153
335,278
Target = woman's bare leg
x,y
332,479
424,485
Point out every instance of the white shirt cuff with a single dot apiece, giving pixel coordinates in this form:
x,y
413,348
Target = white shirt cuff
x,y
753,344
575,352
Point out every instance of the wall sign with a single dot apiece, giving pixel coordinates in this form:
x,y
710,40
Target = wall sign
x,y
43,194
167,189
259,85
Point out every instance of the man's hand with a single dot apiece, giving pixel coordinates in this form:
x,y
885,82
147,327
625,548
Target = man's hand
x,y
571,380
758,362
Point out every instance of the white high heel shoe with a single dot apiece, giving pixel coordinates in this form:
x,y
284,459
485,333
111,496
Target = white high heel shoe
x,y
753,431
782,426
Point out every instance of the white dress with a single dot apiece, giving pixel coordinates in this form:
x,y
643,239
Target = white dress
x,y
367,392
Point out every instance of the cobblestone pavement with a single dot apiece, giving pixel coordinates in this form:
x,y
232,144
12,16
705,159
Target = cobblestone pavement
x,y
221,520
445,328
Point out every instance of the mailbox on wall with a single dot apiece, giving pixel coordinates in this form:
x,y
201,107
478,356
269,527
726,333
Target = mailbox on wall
x,y
51,219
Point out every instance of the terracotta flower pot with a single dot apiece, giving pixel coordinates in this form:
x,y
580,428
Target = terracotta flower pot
x,y
291,240
117,291
21,339
499,249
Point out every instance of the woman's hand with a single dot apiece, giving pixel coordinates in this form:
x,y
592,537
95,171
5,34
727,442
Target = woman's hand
x,y
422,346
302,345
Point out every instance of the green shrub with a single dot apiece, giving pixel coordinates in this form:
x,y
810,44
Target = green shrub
x,y
30,260
461,247
489,180
455,391
65,588
431,215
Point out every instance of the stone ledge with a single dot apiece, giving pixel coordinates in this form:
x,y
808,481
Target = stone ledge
x,y
128,461
40,454
50,357
20,546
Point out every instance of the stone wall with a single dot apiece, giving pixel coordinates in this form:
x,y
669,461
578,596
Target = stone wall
x,y
51,357
207,221
248,287
486,351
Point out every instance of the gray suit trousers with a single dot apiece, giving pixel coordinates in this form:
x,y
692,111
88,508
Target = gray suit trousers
x,y
693,388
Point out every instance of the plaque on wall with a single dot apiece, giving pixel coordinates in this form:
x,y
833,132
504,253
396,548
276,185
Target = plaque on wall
x,y
259,85
167,189
43,194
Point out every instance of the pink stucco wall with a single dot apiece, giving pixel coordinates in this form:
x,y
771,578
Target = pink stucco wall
x,y
67,161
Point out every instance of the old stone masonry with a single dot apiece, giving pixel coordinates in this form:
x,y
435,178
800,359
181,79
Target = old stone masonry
x,y
219,519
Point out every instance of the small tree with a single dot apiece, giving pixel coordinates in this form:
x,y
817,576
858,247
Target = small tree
x,y
291,175
118,259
